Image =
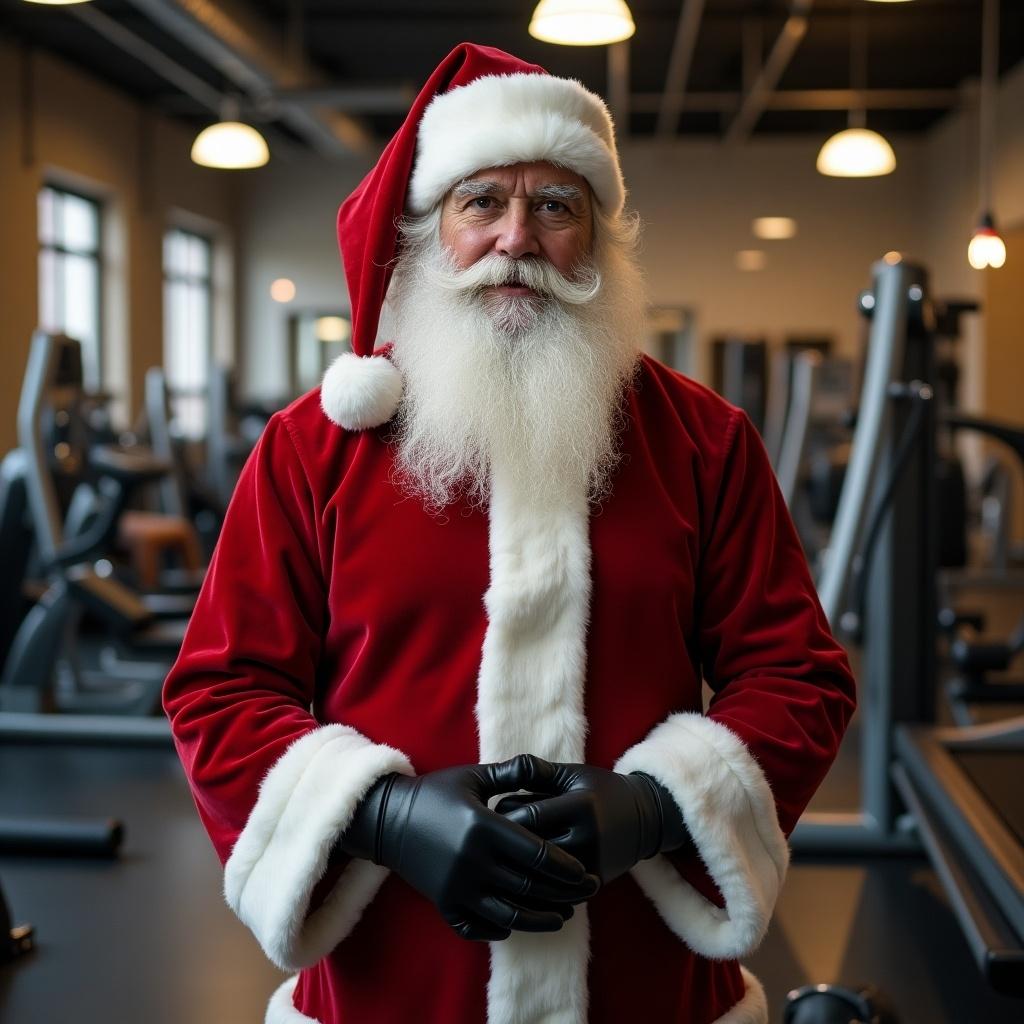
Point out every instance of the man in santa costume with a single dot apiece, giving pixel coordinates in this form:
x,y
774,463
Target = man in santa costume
x,y
494,556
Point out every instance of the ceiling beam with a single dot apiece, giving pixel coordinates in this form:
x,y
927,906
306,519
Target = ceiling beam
x,y
618,86
146,53
757,98
807,99
249,52
352,98
679,67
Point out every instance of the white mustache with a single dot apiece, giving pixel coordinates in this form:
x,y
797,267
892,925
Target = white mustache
x,y
534,273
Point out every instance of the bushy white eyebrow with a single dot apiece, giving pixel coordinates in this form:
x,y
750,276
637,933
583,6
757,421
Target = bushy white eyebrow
x,y
485,187
567,192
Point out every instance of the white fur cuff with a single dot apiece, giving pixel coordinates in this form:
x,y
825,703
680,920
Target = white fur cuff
x,y
305,803
751,1009
360,392
281,1008
728,808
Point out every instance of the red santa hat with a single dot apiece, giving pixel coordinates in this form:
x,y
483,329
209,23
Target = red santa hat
x,y
480,108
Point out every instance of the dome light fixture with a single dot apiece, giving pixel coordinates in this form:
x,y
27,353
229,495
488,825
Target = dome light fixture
x,y
57,3
230,146
856,151
582,22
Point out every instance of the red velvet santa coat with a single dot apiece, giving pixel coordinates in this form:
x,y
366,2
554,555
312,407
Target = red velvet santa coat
x,y
343,632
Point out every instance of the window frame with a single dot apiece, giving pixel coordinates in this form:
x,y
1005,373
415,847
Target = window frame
x,y
96,256
207,282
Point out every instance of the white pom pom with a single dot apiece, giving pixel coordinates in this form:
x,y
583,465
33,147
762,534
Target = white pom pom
x,y
360,392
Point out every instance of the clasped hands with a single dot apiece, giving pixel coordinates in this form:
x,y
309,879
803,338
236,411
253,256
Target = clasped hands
x,y
527,863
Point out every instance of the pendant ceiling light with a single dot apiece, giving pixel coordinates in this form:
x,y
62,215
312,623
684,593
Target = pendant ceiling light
x,y
230,144
987,249
582,22
857,152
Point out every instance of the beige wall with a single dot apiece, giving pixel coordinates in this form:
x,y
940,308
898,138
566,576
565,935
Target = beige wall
x,y
58,124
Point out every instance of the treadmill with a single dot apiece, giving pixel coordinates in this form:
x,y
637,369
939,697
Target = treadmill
x,y
960,789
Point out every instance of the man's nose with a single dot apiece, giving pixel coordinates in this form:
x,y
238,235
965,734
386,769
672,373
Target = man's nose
x,y
517,235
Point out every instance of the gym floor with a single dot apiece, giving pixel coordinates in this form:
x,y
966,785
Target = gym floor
x,y
147,938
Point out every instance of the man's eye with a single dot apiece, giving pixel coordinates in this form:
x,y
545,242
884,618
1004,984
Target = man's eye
x,y
554,206
482,203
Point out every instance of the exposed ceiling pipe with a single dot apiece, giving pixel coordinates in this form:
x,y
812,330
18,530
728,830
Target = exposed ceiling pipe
x,y
757,99
192,85
808,99
353,99
679,67
249,52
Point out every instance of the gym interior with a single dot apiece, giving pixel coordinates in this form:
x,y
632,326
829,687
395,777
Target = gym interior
x,y
160,309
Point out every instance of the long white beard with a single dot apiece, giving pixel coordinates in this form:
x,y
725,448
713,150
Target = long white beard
x,y
530,385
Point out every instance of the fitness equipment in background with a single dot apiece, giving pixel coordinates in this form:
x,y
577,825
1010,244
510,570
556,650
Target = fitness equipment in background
x,y
954,790
15,940
833,1004
43,669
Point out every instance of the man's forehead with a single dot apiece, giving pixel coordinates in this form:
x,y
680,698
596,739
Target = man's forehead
x,y
534,176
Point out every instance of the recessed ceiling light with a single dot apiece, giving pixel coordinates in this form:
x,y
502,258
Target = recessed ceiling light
x,y
774,228
750,259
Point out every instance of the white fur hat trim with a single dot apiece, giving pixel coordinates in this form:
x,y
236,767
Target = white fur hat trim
x,y
499,120
360,392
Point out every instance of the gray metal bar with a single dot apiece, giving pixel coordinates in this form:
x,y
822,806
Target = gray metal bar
x,y
46,517
854,835
885,359
91,730
806,366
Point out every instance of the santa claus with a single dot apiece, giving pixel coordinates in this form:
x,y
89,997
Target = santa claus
x,y
497,553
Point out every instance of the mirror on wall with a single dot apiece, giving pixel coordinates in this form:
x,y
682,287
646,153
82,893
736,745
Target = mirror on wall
x,y
317,338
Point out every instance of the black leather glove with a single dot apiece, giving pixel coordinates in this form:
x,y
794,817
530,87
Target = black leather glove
x,y
606,820
486,874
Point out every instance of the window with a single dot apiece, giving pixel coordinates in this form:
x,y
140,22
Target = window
x,y
188,326
70,270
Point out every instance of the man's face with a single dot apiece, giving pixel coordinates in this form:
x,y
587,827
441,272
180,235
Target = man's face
x,y
534,210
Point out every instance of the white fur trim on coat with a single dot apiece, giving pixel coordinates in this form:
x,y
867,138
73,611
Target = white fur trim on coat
x,y
530,700
497,120
751,1009
360,392
305,803
728,808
